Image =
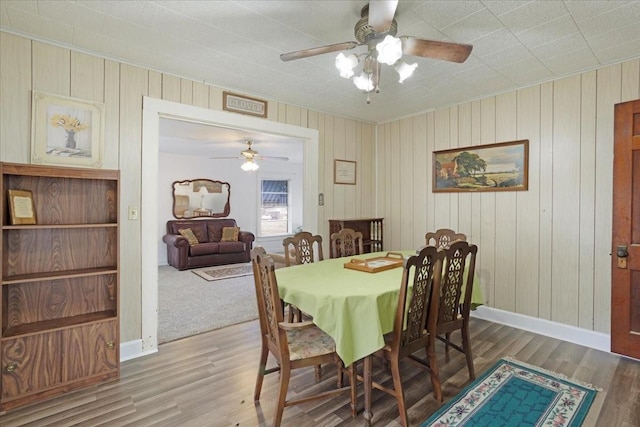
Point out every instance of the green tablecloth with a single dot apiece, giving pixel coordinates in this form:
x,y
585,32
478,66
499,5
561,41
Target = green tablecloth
x,y
355,308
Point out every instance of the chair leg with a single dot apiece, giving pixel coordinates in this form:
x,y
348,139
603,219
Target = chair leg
x,y
353,382
285,374
434,372
264,353
397,385
447,337
318,369
466,345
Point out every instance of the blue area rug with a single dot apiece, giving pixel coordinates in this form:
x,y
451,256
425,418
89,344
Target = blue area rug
x,y
516,394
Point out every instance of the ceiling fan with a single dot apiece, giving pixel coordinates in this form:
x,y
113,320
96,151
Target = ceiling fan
x,y
376,28
249,155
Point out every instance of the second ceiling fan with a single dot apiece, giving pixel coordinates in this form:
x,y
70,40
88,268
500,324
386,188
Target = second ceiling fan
x,y
377,29
249,155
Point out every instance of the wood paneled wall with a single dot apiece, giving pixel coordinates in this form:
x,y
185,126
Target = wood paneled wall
x,y
544,252
27,65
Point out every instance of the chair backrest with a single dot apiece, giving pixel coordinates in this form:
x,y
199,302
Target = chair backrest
x,y
452,302
418,307
443,237
346,242
302,243
270,310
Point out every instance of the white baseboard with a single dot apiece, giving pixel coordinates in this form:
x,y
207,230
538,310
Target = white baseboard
x,y
587,338
133,349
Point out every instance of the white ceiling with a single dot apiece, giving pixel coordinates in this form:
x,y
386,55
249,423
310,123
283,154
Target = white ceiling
x,y
236,44
206,141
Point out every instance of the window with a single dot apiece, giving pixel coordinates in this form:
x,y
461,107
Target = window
x,y
274,207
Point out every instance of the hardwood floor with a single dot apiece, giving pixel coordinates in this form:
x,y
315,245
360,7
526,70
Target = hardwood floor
x,y
208,380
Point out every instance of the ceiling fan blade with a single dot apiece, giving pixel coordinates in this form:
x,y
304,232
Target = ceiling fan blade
x,y
381,14
454,52
305,53
226,158
285,159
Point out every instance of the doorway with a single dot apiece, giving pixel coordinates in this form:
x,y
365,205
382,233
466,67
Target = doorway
x,y
153,110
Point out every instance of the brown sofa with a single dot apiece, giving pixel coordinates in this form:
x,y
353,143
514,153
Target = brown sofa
x,y
209,250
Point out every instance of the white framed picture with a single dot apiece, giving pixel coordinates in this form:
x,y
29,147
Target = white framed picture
x,y
66,131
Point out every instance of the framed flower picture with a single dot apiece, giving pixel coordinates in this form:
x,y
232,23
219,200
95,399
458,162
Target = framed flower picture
x,y
66,131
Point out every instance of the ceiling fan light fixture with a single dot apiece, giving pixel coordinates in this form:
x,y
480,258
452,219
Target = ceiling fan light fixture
x,y
389,50
405,70
249,166
363,82
345,64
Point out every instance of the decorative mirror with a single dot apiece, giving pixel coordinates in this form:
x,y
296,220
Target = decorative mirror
x,y
201,197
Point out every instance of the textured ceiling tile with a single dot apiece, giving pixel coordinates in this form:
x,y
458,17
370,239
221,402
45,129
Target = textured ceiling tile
x,y
28,6
615,37
620,52
571,62
623,16
548,32
441,14
473,27
532,14
570,43
40,26
124,9
499,8
581,10
4,17
526,71
72,14
507,56
494,42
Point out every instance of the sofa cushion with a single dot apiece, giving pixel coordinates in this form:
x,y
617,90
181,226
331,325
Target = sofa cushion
x,y
230,234
199,229
231,247
208,248
214,230
188,234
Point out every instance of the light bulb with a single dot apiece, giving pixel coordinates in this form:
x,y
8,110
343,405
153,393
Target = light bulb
x,y
363,82
346,64
405,70
389,50
249,165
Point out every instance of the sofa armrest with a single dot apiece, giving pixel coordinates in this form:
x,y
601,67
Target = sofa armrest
x,y
177,250
246,236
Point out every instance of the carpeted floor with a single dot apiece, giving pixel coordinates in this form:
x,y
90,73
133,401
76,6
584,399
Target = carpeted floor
x,y
189,305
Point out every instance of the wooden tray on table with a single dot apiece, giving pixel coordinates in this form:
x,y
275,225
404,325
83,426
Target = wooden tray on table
x,y
377,264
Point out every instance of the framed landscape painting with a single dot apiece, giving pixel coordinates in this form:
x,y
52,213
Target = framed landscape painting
x,y
494,167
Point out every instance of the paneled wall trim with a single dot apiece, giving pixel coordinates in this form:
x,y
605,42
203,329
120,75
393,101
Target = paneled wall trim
x,y
542,253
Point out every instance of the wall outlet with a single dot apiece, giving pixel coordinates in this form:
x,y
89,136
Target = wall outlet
x,y
133,212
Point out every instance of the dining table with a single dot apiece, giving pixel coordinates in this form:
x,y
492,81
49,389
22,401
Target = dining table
x,y
356,308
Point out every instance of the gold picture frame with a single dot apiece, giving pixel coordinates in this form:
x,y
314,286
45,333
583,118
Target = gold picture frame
x,y
344,172
21,207
66,131
503,166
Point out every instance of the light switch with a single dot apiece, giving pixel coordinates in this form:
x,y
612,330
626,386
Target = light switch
x,y
133,212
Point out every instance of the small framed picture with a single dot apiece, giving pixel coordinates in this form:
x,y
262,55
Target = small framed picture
x,y
21,207
66,131
344,172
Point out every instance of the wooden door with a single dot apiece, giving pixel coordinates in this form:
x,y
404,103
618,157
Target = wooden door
x,y
625,268
91,350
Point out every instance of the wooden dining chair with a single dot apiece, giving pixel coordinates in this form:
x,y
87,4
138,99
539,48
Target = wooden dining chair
x,y
455,306
302,245
416,308
443,237
293,345
346,242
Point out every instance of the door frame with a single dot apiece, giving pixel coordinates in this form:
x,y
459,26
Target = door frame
x,y
152,110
